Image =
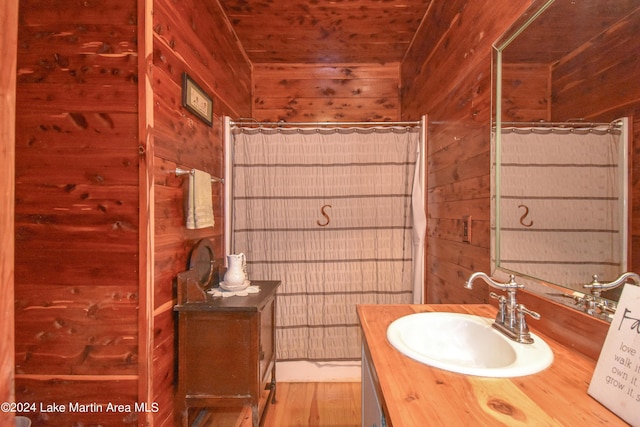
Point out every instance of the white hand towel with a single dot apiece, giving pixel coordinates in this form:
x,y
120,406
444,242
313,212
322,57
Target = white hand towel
x,y
200,203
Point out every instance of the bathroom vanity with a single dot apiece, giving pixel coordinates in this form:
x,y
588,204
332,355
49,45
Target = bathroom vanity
x,y
408,393
226,351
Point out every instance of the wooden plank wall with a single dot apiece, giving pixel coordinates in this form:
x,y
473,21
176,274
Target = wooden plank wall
x,y
190,36
600,81
596,83
76,222
326,92
79,296
447,75
8,48
526,99
607,77
77,173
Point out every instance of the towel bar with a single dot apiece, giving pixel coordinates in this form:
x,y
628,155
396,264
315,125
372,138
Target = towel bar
x,y
180,172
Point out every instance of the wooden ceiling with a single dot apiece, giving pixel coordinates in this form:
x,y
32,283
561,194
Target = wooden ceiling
x,y
325,31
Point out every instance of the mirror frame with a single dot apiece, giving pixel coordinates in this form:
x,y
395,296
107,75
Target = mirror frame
x,y
555,292
521,24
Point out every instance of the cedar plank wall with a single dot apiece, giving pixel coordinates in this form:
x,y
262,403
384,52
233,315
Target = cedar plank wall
x,y
191,36
76,222
525,99
458,37
615,97
447,75
77,195
8,48
326,92
582,80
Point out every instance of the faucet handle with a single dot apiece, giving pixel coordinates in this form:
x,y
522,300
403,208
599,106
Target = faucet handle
x,y
606,307
523,330
502,306
522,310
495,296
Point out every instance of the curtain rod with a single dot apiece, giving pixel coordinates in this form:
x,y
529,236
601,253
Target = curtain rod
x,y
615,123
252,122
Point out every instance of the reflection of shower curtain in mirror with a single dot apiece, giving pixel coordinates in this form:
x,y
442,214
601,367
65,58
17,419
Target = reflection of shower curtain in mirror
x,y
329,214
560,204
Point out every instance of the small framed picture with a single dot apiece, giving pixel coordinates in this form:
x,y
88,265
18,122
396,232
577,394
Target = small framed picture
x,y
196,100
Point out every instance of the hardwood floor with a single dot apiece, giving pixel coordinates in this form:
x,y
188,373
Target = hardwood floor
x,y
315,404
326,404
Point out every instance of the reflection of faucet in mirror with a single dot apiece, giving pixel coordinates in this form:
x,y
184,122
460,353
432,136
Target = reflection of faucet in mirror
x,y
594,303
553,72
510,319
597,287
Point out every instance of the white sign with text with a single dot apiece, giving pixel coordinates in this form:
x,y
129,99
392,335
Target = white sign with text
x,y
616,379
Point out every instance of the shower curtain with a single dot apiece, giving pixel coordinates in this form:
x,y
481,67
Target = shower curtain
x,y
329,213
559,188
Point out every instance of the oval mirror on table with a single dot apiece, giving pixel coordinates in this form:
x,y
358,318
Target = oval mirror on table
x,y
202,263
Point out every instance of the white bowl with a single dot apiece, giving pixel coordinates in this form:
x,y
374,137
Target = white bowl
x,y
235,288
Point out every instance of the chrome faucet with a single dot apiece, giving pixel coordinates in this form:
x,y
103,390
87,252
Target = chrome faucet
x,y
510,319
597,287
594,304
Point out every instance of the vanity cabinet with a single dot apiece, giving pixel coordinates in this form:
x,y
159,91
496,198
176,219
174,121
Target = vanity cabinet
x,y
372,415
401,392
226,352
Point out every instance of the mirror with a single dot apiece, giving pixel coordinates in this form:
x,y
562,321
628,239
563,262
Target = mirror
x,y
565,76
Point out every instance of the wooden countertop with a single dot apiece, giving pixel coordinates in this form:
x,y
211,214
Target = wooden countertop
x,y
413,394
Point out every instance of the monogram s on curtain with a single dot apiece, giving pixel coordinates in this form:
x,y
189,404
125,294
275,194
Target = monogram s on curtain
x,y
557,210
328,212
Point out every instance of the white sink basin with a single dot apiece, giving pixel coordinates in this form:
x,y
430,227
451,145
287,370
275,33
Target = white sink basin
x,y
466,344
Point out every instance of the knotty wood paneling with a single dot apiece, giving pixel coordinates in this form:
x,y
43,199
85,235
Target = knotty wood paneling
x,y
77,208
526,92
98,391
84,124
81,189
332,92
199,35
8,51
599,83
447,74
190,36
325,32
596,82
566,26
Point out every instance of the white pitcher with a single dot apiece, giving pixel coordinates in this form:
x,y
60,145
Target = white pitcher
x,y
236,274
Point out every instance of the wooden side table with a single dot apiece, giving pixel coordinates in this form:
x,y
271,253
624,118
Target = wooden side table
x,y
226,350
